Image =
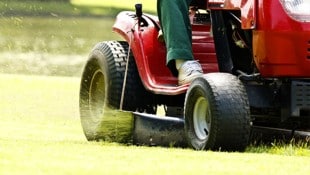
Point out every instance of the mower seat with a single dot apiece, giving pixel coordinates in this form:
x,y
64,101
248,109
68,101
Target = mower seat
x,y
200,4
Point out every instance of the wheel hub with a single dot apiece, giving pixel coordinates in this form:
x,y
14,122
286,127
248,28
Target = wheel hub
x,y
202,118
97,93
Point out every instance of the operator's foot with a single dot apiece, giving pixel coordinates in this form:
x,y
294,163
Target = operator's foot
x,y
188,71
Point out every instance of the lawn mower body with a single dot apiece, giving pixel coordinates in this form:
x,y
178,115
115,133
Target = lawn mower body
x,y
255,56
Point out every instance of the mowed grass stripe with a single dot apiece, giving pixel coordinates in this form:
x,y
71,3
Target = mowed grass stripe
x,y
39,108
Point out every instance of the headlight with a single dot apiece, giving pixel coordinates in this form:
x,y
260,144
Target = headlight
x,y
297,9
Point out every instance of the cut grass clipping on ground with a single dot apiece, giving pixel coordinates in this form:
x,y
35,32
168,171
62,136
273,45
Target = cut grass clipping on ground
x,y
40,133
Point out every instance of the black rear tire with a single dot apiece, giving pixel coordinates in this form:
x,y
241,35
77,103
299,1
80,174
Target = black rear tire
x,y
101,87
217,113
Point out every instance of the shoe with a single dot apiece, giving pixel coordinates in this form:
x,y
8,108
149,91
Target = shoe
x,y
188,71
160,36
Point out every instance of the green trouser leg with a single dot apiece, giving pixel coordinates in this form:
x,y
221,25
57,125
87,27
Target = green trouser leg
x,y
174,18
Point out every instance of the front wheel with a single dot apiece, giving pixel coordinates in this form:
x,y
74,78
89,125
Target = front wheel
x,y
217,113
101,90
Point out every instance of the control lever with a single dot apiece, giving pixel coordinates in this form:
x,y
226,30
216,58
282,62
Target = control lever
x,y
138,8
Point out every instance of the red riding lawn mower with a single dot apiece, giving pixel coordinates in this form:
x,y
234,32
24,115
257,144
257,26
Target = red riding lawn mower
x,y
256,60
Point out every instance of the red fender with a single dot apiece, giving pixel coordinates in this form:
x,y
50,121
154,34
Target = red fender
x,y
150,54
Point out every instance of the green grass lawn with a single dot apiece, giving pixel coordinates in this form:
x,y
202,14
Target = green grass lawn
x,y
40,130
40,133
97,8
50,45
74,35
54,38
148,5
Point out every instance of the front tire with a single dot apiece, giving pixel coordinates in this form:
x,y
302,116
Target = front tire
x,y
217,115
101,89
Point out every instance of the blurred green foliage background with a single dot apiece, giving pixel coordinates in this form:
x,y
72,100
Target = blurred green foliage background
x,y
54,37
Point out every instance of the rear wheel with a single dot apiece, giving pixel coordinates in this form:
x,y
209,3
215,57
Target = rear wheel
x,y
101,90
217,115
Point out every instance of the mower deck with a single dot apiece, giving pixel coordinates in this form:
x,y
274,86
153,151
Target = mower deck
x,y
152,130
158,131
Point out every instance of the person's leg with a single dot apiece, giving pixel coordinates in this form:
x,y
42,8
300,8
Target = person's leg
x,y
176,28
